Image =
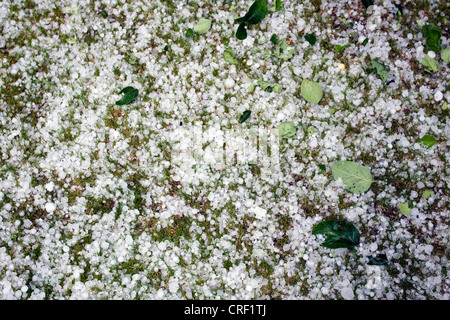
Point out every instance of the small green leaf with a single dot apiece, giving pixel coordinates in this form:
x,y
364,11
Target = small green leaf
x,y
228,56
274,38
428,141
366,41
286,130
251,88
339,48
322,167
444,106
381,70
189,33
338,234
405,209
245,115
256,13
132,58
356,178
202,26
430,64
445,54
269,86
311,91
130,94
427,194
241,32
433,34
311,38
104,14
311,130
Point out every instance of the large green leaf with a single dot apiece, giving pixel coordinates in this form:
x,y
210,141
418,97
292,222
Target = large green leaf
x,y
338,234
256,13
356,178
311,91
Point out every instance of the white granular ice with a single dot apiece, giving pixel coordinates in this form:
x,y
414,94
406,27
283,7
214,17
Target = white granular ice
x,y
438,96
347,293
50,206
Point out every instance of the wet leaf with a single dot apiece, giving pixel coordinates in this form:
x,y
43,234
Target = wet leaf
x,y
338,234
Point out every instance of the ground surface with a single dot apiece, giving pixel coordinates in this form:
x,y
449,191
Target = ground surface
x,y
163,198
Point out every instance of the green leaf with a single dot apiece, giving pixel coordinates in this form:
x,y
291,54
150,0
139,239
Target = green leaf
x,y
189,33
405,209
311,38
338,234
311,91
274,38
379,260
228,56
427,194
430,64
245,115
445,54
104,14
428,141
445,106
322,167
381,70
256,13
202,26
132,58
433,34
241,33
282,51
286,130
356,178
270,86
130,94
339,48
366,41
